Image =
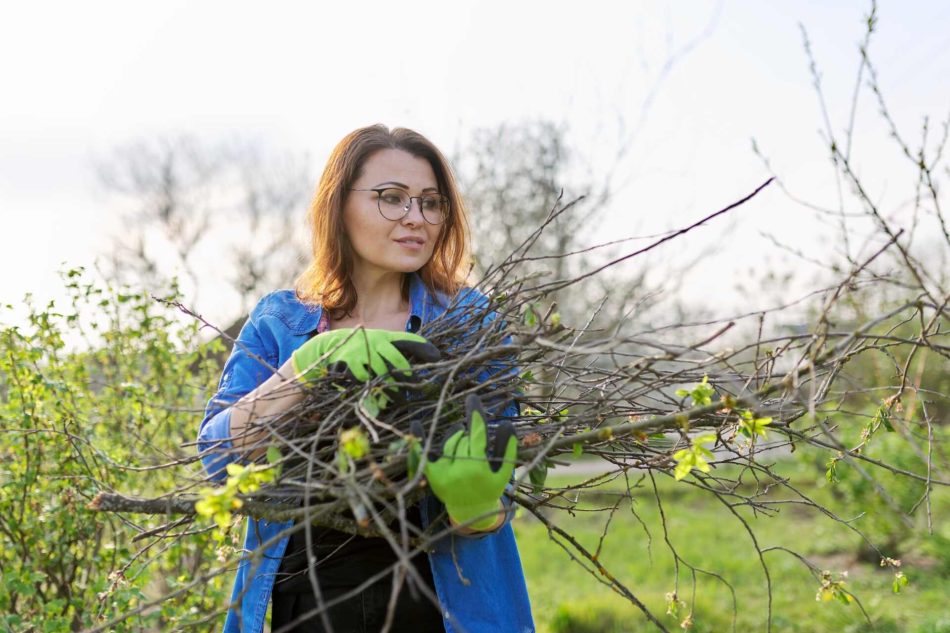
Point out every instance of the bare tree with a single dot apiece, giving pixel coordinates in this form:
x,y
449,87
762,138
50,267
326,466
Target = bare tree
x,y
224,214
519,176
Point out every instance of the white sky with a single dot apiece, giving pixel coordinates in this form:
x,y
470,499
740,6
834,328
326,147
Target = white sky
x,y
79,79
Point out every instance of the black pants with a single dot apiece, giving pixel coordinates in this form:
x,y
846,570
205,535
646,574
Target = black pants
x,y
362,613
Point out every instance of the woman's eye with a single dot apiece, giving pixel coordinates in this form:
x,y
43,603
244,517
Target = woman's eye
x,y
390,198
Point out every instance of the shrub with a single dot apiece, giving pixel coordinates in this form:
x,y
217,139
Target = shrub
x,y
83,400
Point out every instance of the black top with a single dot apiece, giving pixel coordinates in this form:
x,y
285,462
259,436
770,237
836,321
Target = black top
x,y
342,560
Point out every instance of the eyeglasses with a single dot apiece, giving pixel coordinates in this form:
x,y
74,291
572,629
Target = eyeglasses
x,y
395,204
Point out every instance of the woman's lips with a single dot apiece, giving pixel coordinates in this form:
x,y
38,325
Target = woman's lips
x,y
412,243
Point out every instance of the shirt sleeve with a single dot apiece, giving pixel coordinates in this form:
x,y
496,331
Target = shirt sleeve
x,y
250,364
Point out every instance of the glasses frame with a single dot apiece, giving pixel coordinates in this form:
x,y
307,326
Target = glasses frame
x,y
379,196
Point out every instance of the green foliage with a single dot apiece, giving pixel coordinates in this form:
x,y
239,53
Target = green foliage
x,y
900,581
354,445
750,425
674,605
374,403
832,588
696,456
831,473
886,502
109,382
217,503
701,395
413,453
538,475
530,316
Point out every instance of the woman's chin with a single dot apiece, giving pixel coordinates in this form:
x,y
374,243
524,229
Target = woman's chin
x,y
409,264
404,267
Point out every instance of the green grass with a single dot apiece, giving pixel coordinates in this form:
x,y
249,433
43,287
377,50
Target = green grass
x,y
566,598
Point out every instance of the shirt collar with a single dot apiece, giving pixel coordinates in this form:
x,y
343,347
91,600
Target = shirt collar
x,y
418,299
419,309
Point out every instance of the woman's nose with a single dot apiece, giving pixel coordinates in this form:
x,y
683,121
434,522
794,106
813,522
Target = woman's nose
x,y
413,216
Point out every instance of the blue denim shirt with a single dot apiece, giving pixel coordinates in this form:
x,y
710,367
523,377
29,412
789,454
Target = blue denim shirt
x,y
494,598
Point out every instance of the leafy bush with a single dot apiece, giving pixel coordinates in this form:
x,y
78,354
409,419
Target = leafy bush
x,y
86,403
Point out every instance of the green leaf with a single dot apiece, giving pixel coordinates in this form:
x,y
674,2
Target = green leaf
x,y
371,404
273,455
900,581
883,416
538,475
701,394
415,454
693,457
577,449
831,474
682,469
353,442
22,588
750,426
530,317
204,508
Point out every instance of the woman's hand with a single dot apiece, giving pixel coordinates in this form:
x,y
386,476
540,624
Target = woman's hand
x,y
470,476
361,352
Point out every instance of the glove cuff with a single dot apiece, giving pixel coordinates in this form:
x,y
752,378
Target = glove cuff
x,y
491,520
295,363
306,367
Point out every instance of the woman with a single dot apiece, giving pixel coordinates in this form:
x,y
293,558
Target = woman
x,y
390,249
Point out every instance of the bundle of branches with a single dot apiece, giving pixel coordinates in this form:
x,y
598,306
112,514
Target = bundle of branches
x,y
348,440
342,451
649,402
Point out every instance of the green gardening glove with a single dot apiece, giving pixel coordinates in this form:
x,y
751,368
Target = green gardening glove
x,y
361,353
471,472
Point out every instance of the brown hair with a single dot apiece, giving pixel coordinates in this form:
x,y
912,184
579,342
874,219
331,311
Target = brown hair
x,y
327,279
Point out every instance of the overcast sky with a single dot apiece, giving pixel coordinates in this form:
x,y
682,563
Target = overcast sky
x,y
695,80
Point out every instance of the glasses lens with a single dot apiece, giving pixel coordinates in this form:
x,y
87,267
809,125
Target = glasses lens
x,y
434,207
393,203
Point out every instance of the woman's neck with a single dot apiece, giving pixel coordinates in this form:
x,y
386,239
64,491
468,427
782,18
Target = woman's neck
x,y
379,303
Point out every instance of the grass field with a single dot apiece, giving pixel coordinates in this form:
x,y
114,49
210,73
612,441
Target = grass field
x,y
566,598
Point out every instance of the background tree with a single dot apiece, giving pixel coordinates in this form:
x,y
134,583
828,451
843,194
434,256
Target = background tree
x,y
221,215
535,199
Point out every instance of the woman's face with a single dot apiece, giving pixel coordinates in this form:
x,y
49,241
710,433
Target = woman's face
x,y
381,245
